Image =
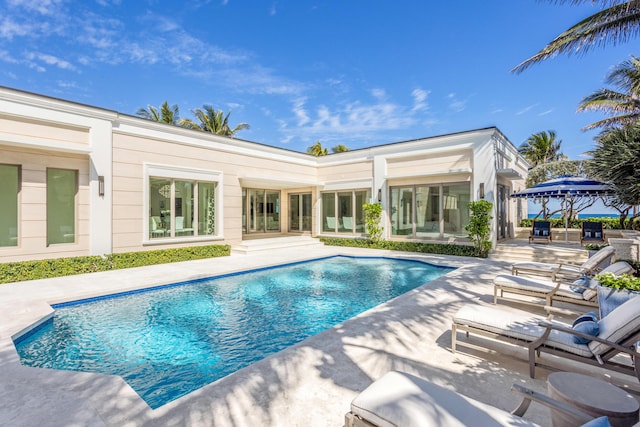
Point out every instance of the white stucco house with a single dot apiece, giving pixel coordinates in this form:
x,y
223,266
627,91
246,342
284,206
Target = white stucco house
x,y
80,180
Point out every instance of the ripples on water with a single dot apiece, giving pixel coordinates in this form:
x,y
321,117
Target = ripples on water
x,y
166,343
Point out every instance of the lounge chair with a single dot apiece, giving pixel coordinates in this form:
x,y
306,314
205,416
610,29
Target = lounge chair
x,y
398,399
617,334
541,230
580,292
592,232
556,272
347,223
331,223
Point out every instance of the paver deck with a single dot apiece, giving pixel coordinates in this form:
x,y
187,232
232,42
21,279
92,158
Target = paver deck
x,y
309,384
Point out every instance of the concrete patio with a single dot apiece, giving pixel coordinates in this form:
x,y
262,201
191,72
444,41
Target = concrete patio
x,y
309,384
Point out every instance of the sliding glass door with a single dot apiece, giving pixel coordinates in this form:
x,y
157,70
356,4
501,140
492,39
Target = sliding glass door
x,y
261,210
300,212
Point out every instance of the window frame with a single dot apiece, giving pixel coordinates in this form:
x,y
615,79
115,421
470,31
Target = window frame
x,y
75,206
357,226
16,238
195,176
415,205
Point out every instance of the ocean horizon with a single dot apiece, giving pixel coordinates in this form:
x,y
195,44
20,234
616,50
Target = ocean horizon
x,y
583,216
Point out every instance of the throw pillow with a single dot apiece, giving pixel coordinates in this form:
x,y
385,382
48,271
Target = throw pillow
x,y
598,422
586,323
583,281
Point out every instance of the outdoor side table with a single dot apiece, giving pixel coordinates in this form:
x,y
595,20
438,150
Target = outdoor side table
x,y
593,396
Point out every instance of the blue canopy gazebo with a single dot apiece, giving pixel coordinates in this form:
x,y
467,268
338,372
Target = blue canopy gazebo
x,y
565,187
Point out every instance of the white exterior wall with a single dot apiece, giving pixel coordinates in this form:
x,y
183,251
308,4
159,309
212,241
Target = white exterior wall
x,y
38,132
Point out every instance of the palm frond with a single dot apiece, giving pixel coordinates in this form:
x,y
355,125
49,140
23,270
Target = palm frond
x,y
615,24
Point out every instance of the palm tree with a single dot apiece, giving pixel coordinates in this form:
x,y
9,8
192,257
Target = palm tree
x,y
165,114
340,148
213,121
317,150
624,106
541,148
615,160
616,23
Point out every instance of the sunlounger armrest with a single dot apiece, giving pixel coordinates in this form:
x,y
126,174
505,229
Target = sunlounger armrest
x,y
529,396
569,330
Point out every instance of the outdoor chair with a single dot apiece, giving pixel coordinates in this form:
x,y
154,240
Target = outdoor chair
x,y
592,342
568,272
398,399
545,292
541,230
331,223
347,223
592,232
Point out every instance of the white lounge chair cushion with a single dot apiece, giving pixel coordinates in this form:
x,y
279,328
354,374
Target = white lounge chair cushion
x,y
518,325
399,399
622,322
542,267
617,269
586,268
532,285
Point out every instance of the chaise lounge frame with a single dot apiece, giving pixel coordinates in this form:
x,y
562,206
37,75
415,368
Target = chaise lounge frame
x,y
362,417
537,347
557,272
551,292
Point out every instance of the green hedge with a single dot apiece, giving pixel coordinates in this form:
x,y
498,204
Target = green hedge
x,y
42,269
607,223
429,248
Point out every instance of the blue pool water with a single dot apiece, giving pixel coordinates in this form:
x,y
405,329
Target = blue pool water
x,y
171,340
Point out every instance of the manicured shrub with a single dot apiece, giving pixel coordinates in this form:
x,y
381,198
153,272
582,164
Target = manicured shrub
x,y
607,223
420,247
58,267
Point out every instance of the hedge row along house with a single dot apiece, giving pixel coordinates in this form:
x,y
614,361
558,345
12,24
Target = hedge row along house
x,y
80,180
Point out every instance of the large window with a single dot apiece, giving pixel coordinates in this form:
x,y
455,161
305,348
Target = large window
x,y
62,186
430,211
10,179
343,212
181,208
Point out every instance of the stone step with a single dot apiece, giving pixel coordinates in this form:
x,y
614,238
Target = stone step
x,y
268,244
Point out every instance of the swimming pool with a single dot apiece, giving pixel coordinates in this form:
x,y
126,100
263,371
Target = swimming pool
x,y
171,340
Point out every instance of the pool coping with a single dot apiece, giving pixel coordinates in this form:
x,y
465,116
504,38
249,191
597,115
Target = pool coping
x,y
310,383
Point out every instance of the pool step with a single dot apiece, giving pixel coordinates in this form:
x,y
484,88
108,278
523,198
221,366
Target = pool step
x,y
258,245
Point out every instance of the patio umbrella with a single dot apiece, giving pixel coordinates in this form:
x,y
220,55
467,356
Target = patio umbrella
x,y
565,187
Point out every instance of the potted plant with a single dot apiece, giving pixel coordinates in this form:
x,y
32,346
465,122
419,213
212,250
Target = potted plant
x,y
615,290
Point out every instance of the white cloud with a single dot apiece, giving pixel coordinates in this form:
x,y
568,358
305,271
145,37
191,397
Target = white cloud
x,y
35,57
44,7
456,104
419,99
378,93
9,28
544,113
526,109
300,112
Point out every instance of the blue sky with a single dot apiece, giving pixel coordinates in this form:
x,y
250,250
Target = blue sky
x,y
350,72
